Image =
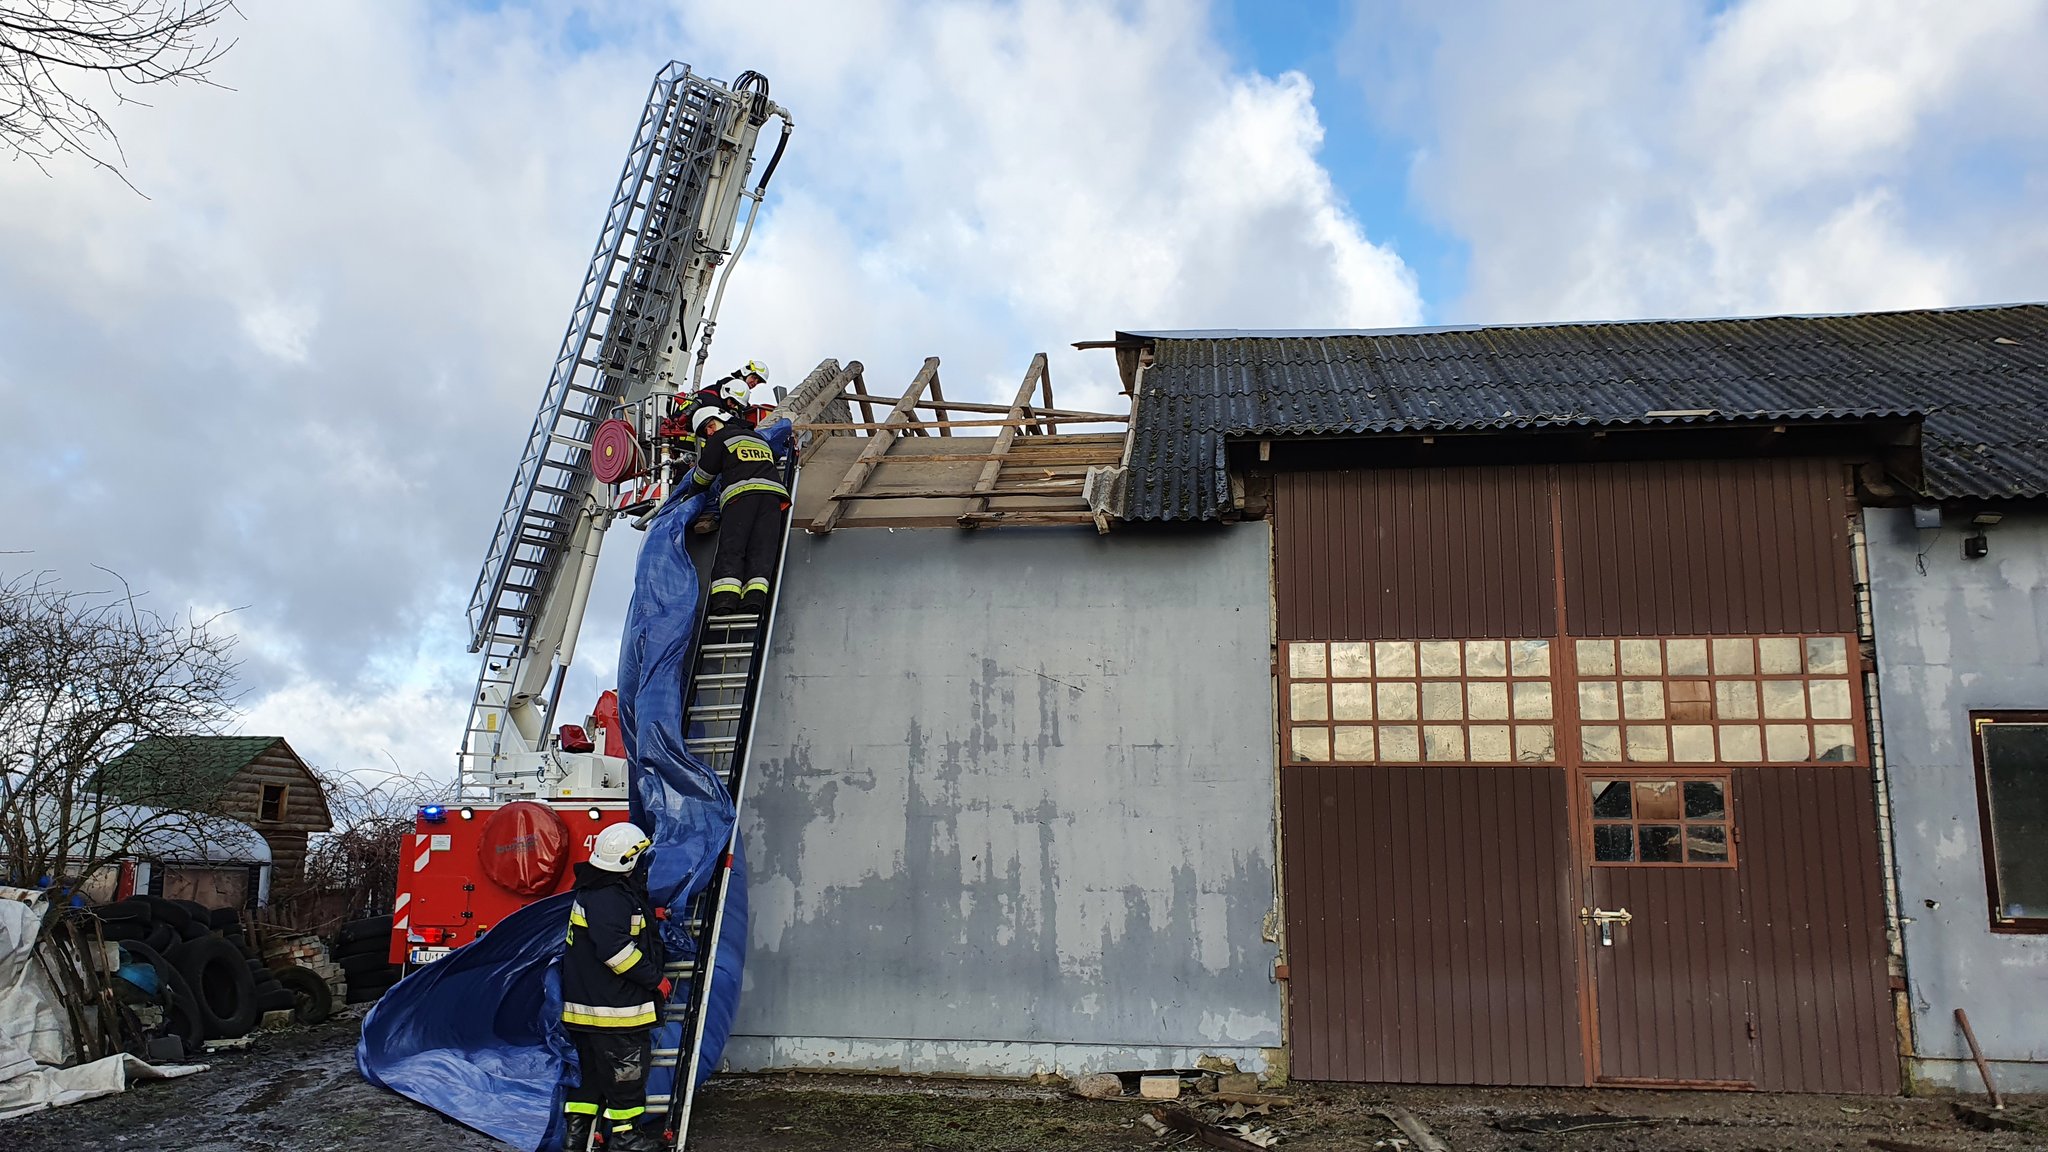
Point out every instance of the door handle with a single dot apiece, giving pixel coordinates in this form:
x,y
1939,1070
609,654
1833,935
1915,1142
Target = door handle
x,y
1606,920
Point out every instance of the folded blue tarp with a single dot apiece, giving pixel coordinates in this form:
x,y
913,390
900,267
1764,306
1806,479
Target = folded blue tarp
x,y
477,1036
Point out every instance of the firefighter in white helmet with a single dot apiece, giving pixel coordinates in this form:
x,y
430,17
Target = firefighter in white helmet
x,y
612,991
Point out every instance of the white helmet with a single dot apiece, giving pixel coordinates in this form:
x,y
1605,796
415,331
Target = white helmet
x,y
754,368
618,847
735,392
706,413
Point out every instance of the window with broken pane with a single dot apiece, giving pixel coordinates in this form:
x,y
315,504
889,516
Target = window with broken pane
x,y
1660,822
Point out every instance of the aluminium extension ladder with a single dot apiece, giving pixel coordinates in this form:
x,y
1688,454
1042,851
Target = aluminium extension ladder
x,y
718,717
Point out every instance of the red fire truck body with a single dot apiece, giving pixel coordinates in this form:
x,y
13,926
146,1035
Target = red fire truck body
x,y
465,869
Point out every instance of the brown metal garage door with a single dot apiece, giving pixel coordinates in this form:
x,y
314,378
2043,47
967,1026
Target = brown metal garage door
x,y
1541,728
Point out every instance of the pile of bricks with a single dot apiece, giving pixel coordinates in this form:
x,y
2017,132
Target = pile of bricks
x,y
284,949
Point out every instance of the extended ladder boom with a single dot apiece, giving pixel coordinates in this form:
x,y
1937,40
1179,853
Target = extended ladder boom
x,y
641,308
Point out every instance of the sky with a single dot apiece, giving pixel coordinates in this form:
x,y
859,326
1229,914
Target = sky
x,y
288,374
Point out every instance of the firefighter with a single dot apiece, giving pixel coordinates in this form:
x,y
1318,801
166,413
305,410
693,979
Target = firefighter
x,y
750,509
612,990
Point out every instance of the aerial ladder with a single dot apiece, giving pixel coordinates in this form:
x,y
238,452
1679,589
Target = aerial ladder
x,y
639,335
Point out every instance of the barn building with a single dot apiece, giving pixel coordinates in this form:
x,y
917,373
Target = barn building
x,y
1461,706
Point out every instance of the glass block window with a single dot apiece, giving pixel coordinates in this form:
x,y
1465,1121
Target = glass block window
x,y
1419,701
1717,700
1680,821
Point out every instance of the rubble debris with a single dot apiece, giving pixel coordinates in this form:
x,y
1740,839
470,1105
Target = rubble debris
x,y
1414,1129
1216,1136
1237,1083
1159,1087
1153,1125
1221,1065
1098,1086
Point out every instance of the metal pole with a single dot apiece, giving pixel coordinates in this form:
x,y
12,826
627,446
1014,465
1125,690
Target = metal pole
x,y
1977,1054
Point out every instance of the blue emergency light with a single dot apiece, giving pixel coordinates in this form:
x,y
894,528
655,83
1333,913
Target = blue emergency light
x,y
433,814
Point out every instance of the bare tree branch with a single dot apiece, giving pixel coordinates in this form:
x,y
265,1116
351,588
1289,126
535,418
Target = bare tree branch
x,y
83,677
51,49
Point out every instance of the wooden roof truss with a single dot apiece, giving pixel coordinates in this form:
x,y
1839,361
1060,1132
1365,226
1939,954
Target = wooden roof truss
x,y
1031,472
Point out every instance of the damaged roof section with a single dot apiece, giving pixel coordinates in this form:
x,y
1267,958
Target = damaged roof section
x,y
1978,376
890,461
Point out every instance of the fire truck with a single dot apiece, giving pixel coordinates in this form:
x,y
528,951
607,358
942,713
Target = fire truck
x,y
531,795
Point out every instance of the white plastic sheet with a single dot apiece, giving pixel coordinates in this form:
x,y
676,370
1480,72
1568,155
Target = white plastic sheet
x,y
34,1041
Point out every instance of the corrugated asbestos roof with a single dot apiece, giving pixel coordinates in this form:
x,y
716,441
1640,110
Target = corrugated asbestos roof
x,y
1979,377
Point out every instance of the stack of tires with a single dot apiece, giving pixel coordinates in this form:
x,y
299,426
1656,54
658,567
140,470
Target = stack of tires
x,y
363,950
211,983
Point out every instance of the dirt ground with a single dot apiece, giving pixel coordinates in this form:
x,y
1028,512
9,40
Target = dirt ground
x,y
300,1090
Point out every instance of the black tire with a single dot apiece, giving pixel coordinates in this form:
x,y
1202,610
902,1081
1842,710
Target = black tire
x,y
162,937
312,996
364,963
183,1017
196,911
382,978
193,930
366,995
277,1000
167,911
222,984
224,918
370,927
243,947
134,908
126,930
369,946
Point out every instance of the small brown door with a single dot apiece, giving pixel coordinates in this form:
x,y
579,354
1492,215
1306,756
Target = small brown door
x,y
1664,933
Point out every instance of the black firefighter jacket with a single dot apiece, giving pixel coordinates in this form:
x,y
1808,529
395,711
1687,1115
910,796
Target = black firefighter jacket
x,y
612,966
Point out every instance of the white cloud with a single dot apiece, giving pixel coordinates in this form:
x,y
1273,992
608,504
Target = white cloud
x,y
1607,159
280,330
297,376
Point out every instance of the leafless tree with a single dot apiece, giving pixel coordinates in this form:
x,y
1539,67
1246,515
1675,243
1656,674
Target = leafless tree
x,y
59,57
372,818
83,676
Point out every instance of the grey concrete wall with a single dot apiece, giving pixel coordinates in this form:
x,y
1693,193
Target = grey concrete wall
x,y
1012,804
1966,634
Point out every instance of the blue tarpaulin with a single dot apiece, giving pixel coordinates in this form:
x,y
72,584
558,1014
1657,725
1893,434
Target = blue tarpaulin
x,y
477,1035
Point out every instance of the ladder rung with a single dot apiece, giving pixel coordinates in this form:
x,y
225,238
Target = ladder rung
x,y
726,649
680,968
715,712
730,623
666,1057
722,678
659,1099
712,742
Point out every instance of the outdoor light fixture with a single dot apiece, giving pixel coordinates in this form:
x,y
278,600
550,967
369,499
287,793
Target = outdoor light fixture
x,y
433,814
596,814
1977,545
1926,516
469,813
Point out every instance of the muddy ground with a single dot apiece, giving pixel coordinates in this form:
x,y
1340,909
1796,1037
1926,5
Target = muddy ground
x,y
299,1090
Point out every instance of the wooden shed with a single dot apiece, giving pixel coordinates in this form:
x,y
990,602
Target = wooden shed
x,y
258,780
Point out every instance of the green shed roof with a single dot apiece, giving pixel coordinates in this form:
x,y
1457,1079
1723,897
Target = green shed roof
x,y
183,769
